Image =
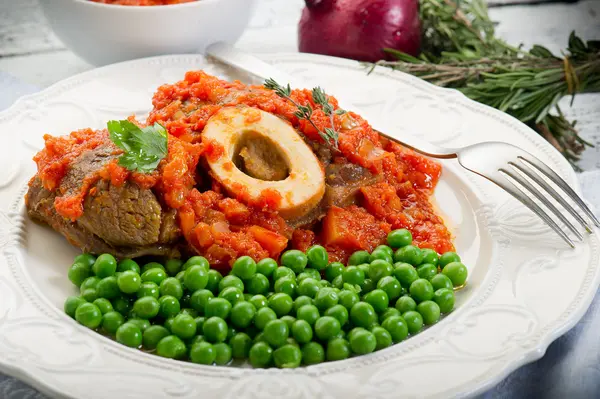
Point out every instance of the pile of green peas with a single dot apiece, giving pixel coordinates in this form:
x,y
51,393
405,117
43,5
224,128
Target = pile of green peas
x,y
302,311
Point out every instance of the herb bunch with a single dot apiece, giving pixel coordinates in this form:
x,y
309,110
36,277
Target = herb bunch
x,y
143,148
305,112
462,52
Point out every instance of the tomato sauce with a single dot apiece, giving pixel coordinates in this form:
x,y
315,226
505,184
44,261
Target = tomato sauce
x,y
223,228
143,2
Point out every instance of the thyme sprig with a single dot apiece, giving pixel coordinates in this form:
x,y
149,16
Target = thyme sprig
x,y
305,112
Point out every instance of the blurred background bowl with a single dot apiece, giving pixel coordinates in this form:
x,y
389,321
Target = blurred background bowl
x,y
103,34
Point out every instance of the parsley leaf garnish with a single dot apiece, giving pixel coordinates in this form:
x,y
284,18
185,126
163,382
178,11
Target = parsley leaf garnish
x,y
143,148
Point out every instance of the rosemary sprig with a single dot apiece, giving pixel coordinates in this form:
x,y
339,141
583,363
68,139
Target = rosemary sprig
x,y
329,135
462,52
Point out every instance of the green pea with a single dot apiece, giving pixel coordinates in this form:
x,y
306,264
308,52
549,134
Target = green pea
x,y
430,312
180,276
259,301
276,332
189,312
365,268
381,254
397,328
231,281
383,338
104,305
105,266
89,294
257,284
309,313
308,287
146,307
338,312
260,355
129,282
263,316
334,270
338,282
173,266
444,297
122,305
199,299
405,273
378,299
313,353
85,259
218,307
430,256
358,258
388,313
184,326
317,256
282,272
281,303
312,273
108,288
353,275
379,269
215,329
171,286
244,267
232,295
421,290
111,322
363,342
409,254
337,349
302,331
195,278
405,303
143,324
427,271
71,305
199,323
214,278
240,345
286,285
301,301
266,266
441,281
326,298
88,315
152,265
348,298
391,286
155,275
128,265
414,321
287,356
171,347
90,282
223,354
367,286
295,260
448,257
362,314
242,314
148,289
152,336
399,238
196,261
203,353
78,272
129,335
324,283
289,320
327,327
456,272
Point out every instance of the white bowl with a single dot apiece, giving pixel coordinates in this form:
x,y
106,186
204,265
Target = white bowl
x,y
103,34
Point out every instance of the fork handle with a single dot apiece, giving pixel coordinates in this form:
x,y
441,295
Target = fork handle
x,y
233,57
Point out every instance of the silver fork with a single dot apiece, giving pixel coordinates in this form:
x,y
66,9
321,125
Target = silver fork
x,y
504,164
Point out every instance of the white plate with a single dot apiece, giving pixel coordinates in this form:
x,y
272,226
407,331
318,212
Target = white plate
x,y
525,287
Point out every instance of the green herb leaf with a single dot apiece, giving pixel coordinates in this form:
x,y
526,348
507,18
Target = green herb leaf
x,y
143,148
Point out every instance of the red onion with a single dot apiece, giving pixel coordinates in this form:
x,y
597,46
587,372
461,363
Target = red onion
x,y
360,29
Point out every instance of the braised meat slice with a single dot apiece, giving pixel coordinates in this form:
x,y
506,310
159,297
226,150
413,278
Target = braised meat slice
x,y
126,221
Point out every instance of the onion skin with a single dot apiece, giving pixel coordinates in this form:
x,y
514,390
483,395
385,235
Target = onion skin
x,y
360,29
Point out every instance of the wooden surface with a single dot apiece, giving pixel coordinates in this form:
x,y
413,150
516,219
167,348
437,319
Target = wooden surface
x,y
30,52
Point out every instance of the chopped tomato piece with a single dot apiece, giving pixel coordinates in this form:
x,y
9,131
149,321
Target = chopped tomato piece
x,y
272,242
